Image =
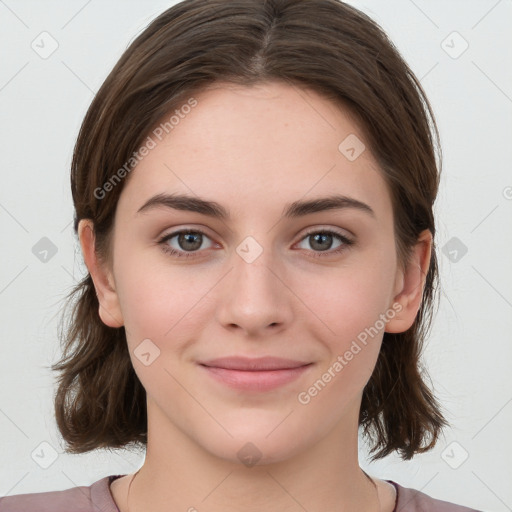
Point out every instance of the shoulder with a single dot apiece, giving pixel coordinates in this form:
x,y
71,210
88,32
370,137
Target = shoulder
x,y
411,500
84,498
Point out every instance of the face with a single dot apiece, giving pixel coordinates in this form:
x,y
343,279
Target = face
x,y
312,286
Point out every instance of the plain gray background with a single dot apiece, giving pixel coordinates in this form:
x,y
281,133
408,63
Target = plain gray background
x,y
459,49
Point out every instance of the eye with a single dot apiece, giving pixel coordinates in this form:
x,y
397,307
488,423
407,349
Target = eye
x,y
189,241
321,241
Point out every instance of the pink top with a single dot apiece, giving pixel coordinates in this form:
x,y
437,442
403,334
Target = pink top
x,y
98,498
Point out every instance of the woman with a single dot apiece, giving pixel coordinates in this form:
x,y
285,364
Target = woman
x,y
253,186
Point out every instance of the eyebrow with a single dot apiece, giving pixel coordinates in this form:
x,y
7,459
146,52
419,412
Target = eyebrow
x,y
215,210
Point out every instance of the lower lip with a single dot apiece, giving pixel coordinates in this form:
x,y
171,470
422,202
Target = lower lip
x,y
264,380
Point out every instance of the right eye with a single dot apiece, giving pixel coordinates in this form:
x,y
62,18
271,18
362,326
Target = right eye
x,y
187,243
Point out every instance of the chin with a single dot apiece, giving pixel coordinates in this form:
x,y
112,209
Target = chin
x,y
256,451
256,443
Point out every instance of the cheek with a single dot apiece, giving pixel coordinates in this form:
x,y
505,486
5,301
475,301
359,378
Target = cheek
x,y
349,309
333,307
160,301
163,313
348,299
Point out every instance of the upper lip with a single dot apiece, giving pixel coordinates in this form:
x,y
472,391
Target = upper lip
x,y
253,363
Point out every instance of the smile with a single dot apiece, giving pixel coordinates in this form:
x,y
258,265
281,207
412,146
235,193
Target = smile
x,y
261,374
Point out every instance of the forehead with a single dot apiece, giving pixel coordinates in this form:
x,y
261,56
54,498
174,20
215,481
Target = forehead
x,y
256,147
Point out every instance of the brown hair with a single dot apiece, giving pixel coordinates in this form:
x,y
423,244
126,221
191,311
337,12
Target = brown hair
x,y
324,45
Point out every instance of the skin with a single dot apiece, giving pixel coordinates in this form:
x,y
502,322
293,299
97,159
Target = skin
x,y
254,150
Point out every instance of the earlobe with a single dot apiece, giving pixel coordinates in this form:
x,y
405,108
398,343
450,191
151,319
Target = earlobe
x,y
109,308
410,283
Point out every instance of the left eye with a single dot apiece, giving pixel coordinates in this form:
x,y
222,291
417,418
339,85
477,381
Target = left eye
x,y
321,241
190,241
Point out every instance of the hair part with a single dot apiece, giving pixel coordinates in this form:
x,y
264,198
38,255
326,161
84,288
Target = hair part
x,y
324,45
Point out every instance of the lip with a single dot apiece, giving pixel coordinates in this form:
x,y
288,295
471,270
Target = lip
x,y
254,363
255,374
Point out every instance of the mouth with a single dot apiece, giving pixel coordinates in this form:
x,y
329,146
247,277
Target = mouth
x,y
254,374
254,363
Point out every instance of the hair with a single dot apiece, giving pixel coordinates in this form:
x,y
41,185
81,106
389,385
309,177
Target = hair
x,y
324,45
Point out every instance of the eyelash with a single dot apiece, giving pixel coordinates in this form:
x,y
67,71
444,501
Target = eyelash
x,y
316,254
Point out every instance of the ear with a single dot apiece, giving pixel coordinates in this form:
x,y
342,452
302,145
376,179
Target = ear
x,y
109,309
409,285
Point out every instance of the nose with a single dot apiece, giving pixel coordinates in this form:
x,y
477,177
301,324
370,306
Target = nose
x,y
254,296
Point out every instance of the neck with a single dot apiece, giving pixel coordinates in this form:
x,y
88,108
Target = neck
x,y
179,474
